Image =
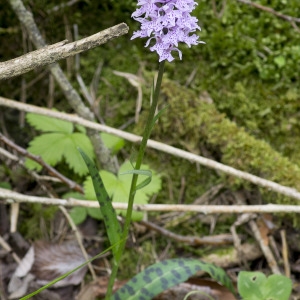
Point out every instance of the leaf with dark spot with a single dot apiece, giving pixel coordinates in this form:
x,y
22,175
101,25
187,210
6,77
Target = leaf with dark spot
x,y
112,225
163,275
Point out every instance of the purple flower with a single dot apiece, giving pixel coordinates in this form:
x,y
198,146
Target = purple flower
x,y
167,22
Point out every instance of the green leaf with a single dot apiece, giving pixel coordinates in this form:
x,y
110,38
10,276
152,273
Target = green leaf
x,y
71,154
54,147
112,142
280,61
277,287
80,128
5,185
118,187
48,124
165,274
153,187
94,213
112,225
145,182
109,180
249,285
256,286
78,214
157,116
50,146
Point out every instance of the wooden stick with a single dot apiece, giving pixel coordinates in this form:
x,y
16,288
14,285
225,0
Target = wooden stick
x,y
12,197
61,50
287,191
265,248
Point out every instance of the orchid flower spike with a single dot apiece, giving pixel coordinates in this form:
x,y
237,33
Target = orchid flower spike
x,y
167,22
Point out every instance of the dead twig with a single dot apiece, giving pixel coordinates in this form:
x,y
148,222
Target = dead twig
x,y
265,248
285,254
221,12
6,247
176,218
61,6
135,81
61,50
244,218
79,240
71,184
284,190
103,154
15,207
11,197
217,240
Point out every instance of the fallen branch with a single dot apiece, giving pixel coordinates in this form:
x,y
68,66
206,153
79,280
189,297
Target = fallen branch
x,y
103,154
265,248
71,184
50,54
213,240
287,191
13,197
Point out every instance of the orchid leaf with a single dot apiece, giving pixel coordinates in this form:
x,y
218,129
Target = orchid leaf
x,y
165,274
118,187
112,224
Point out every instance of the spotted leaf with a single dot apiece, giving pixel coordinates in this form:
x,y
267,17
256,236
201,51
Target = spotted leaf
x,y
112,225
165,274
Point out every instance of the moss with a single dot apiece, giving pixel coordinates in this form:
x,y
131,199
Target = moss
x,y
192,123
32,216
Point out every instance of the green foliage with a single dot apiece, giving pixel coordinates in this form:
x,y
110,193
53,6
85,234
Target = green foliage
x,y
5,185
58,142
112,142
113,228
48,124
246,41
194,123
32,217
165,274
256,286
118,188
78,214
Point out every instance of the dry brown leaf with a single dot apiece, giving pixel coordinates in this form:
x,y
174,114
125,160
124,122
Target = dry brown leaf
x,y
45,262
54,260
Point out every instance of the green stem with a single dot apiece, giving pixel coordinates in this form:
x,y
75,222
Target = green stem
x,y
140,156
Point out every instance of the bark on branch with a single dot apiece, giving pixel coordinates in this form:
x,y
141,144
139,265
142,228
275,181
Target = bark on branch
x,y
50,54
